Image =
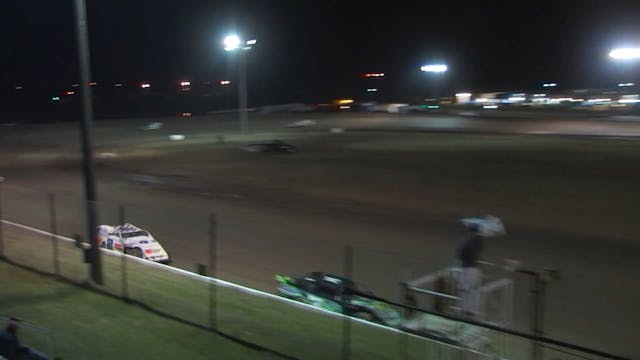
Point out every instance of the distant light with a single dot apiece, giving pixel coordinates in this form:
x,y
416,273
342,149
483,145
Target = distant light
x,y
516,99
185,114
252,42
625,54
598,100
345,107
539,95
549,85
345,101
433,107
176,137
118,84
145,85
185,83
231,42
435,68
630,99
56,98
626,84
225,82
93,83
482,100
374,75
372,90
69,92
490,107
18,87
540,99
559,100
463,97
75,85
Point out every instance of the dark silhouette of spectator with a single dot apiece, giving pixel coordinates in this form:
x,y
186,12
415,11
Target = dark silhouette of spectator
x,y
10,347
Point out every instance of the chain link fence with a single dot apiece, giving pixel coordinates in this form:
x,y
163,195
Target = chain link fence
x,y
39,230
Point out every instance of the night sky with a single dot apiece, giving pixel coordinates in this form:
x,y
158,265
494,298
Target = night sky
x,y
317,49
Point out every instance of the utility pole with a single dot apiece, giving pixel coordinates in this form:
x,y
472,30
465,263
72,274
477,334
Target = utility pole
x,y
82,35
242,91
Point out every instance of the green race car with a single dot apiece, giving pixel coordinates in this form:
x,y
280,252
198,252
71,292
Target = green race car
x,y
337,294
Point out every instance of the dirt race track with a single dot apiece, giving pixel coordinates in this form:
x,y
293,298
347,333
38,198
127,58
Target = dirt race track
x,y
569,203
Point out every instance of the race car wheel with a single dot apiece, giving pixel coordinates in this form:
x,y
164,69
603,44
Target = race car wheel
x,y
135,252
363,315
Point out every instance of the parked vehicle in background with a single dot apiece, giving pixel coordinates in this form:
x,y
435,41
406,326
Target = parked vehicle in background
x,y
275,147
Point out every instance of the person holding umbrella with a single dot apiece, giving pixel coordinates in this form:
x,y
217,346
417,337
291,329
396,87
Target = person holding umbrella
x,y
467,259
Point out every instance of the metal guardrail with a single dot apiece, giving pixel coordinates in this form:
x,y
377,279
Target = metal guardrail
x,y
542,339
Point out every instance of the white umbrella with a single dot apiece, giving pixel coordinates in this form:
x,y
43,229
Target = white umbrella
x,y
486,225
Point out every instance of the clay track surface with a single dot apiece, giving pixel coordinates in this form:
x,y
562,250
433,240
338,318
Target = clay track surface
x,y
380,185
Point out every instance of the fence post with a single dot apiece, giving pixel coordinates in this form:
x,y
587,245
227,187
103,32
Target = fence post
x,y
1,223
123,259
213,271
404,338
53,223
346,324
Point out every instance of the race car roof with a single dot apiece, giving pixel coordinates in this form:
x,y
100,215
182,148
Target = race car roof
x,y
127,228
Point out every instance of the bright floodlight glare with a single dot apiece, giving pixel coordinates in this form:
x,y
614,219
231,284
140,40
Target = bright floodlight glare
x,y
231,42
625,53
436,68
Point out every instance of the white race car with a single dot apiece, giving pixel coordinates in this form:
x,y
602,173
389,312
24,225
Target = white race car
x,y
133,241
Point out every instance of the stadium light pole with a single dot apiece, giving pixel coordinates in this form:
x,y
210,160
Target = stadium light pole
x,y
438,70
233,43
625,57
82,36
